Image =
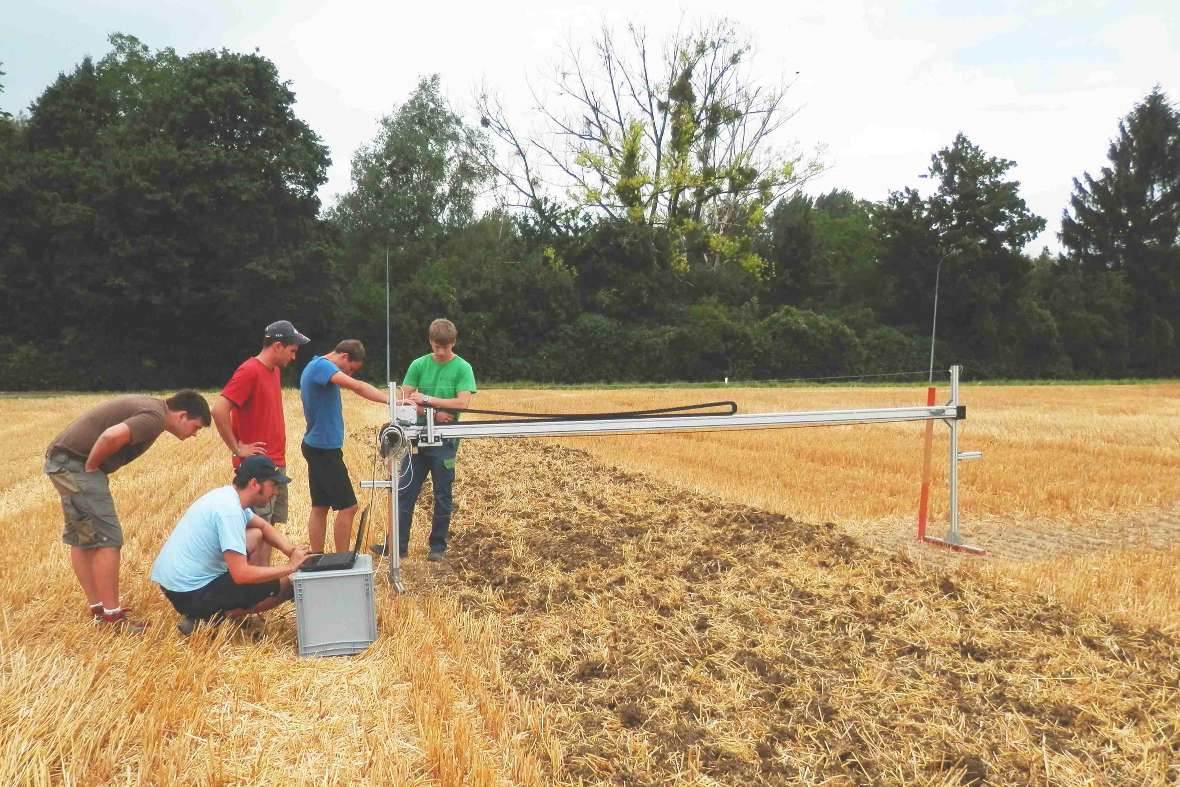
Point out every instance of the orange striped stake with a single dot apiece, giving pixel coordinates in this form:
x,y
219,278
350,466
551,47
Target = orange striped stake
x,y
924,501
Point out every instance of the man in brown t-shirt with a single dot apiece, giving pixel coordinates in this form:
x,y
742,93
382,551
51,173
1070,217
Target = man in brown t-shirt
x,y
78,462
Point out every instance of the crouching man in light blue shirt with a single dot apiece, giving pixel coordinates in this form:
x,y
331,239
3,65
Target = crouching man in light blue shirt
x,y
204,567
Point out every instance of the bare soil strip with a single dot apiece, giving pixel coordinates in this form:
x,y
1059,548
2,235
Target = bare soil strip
x,y
673,638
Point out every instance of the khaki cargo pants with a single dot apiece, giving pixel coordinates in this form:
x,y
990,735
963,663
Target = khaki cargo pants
x,y
86,504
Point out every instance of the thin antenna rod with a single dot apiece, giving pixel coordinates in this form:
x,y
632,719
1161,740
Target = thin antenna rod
x,y
388,371
934,321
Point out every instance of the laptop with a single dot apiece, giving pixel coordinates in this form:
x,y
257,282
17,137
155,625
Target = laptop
x,y
336,561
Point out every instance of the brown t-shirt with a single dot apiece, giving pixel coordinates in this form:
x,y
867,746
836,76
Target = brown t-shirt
x,y
142,414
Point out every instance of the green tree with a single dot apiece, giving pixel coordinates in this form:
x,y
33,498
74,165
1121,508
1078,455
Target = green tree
x,y
1089,309
822,252
1127,221
413,188
171,211
510,297
847,250
794,274
623,270
683,142
973,227
801,343
415,182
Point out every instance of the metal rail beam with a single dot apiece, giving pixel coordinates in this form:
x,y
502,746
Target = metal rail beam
x,y
704,423
434,433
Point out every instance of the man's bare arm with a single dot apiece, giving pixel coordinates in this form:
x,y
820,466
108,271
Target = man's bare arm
x,y
245,574
460,401
359,387
221,419
109,442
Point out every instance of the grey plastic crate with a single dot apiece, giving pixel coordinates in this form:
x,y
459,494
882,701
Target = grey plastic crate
x,y
334,610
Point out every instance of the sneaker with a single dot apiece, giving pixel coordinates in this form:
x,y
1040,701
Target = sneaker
x,y
186,625
436,555
125,623
96,611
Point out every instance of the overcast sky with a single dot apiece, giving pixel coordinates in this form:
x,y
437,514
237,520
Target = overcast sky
x,y
880,85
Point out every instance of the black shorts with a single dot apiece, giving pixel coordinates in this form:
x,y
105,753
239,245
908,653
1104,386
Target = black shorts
x,y
328,478
220,595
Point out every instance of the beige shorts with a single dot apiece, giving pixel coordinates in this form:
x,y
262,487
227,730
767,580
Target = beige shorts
x,y
86,504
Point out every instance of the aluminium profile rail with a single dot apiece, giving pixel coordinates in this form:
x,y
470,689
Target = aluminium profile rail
x,y
422,435
432,434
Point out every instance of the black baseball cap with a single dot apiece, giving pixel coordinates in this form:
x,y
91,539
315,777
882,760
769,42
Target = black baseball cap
x,y
285,332
261,468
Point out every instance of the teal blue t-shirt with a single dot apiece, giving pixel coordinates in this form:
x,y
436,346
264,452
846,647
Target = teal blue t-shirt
x,y
192,556
321,404
443,380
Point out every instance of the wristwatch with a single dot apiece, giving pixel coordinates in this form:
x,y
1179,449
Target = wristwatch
x,y
425,399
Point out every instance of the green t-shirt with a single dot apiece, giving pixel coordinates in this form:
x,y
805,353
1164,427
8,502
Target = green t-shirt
x,y
443,380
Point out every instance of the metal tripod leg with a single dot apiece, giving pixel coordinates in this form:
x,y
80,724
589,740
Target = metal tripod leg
x,y
395,533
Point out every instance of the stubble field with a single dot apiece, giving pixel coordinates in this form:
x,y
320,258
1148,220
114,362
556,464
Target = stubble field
x,y
737,608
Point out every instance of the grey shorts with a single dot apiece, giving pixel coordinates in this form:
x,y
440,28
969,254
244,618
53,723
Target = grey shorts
x,y
276,510
86,504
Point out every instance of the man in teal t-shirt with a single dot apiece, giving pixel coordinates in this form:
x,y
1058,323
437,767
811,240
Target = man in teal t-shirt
x,y
323,442
439,379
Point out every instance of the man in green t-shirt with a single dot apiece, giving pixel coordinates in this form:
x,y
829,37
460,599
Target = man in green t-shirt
x,y
438,379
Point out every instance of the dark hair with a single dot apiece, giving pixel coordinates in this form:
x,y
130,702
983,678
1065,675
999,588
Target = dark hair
x,y
353,349
191,403
241,481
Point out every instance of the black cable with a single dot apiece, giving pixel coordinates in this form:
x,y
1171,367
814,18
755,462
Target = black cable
x,y
659,412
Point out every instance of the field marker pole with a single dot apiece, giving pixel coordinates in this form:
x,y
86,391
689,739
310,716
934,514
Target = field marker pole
x,y
924,499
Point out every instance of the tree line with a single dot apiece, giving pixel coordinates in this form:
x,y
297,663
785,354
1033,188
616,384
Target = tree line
x,y
157,210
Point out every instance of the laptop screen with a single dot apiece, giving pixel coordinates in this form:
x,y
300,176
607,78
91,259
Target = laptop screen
x,y
360,533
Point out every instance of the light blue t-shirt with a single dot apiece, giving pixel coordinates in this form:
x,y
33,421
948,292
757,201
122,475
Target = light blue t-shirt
x,y
192,556
321,404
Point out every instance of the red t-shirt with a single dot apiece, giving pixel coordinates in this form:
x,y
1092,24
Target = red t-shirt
x,y
258,412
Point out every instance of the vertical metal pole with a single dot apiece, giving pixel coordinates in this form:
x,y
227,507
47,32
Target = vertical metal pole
x,y
952,535
388,369
394,539
927,452
393,463
934,320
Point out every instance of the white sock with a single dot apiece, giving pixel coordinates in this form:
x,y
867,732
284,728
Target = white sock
x,y
96,606
109,612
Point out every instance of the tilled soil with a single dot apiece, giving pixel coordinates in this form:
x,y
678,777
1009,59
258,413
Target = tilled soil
x,y
676,639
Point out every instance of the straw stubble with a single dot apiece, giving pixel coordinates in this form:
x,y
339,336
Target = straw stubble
x,y
597,625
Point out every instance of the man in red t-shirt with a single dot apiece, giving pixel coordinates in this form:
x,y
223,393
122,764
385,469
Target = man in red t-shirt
x,y
249,412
